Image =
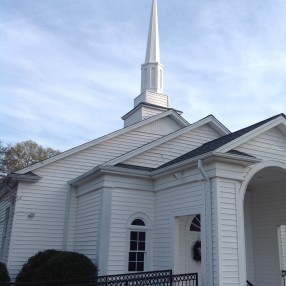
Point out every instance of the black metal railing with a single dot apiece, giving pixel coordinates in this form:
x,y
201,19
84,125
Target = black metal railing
x,y
283,275
152,278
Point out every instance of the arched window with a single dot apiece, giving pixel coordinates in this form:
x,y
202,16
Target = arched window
x,y
137,246
196,224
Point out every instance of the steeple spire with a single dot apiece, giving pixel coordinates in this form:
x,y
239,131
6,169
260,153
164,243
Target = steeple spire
x,y
153,49
152,70
151,101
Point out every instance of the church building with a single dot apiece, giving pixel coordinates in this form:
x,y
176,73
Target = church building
x,y
144,197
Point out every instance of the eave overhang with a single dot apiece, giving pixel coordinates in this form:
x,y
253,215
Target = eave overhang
x,y
12,179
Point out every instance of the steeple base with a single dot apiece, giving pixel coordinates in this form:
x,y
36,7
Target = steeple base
x,y
152,97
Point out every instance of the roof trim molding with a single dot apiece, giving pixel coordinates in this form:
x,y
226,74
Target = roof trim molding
x,y
255,132
99,170
207,120
180,120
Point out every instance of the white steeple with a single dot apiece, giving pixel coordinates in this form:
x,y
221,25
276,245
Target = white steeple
x,y
153,49
151,101
152,70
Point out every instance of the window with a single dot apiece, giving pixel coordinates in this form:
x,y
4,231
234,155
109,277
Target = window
x,y
137,246
196,224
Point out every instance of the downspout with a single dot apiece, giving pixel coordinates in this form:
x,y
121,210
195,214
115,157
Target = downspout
x,y
208,269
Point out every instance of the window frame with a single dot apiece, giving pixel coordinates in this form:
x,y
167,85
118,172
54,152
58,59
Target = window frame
x,y
139,228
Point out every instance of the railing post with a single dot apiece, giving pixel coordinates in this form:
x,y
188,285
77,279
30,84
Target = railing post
x,y
171,277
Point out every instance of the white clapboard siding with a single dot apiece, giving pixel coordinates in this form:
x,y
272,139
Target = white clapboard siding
x,y
125,203
174,148
270,145
149,112
87,223
135,117
153,98
283,246
168,203
227,233
47,197
162,127
268,212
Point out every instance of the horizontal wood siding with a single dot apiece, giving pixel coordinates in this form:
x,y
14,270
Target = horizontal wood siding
x,y
153,98
47,197
169,202
125,203
163,126
133,118
270,145
149,112
157,99
228,234
87,223
269,212
174,148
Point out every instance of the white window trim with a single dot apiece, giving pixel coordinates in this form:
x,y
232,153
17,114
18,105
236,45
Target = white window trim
x,y
147,229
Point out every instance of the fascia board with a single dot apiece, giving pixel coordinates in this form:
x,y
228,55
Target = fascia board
x,y
124,157
219,127
248,136
24,178
97,141
178,118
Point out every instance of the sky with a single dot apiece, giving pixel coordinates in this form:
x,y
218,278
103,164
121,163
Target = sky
x,y
70,69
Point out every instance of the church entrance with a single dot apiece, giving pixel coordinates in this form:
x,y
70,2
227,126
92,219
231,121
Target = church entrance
x,y
264,222
188,240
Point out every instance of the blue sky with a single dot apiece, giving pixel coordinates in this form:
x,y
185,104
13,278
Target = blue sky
x,y
70,69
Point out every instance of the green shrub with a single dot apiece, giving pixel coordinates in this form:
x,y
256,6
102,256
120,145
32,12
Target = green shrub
x,y
33,264
72,266
4,275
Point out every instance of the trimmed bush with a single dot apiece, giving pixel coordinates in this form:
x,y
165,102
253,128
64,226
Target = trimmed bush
x,y
72,266
4,275
33,264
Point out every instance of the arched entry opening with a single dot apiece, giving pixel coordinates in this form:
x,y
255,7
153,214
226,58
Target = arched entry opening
x,y
264,221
